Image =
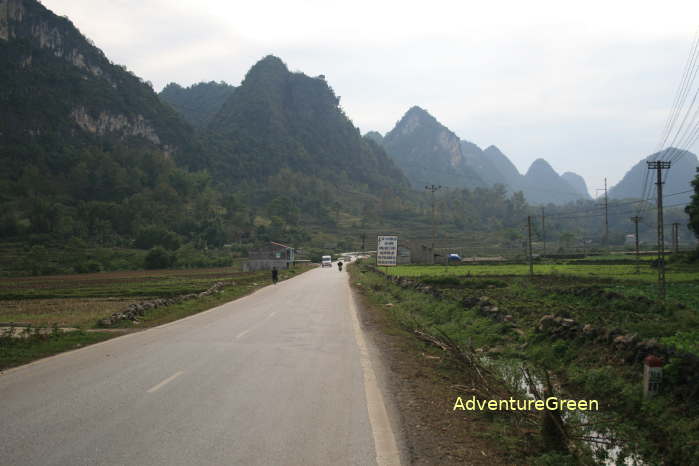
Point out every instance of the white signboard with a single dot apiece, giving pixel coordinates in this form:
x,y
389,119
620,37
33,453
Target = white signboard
x,y
387,250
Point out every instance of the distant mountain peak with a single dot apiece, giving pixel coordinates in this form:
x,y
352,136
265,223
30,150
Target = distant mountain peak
x,y
577,182
540,166
429,152
268,66
678,177
375,136
417,110
494,151
272,62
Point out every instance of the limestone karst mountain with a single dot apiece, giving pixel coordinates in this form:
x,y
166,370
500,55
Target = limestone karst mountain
x,y
542,184
677,178
428,152
58,90
278,120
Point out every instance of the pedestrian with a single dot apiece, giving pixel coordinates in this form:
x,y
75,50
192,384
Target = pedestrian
x,y
339,265
275,275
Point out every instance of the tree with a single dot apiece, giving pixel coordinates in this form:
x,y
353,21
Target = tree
x,y
693,208
158,258
151,236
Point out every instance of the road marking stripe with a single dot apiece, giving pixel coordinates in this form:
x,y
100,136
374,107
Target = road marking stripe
x,y
166,381
245,332
387,453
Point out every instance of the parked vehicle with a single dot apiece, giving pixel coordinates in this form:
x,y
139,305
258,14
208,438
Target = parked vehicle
x,y
327,261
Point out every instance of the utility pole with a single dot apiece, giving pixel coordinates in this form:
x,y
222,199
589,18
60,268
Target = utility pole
x,y
531,257
543,228
606,217
676,237
363,238
432,189
635,220
659,166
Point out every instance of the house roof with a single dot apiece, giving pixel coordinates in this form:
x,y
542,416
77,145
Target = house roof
x,y
282,245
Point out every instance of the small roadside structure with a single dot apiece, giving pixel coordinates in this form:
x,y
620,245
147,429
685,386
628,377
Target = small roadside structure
x,y
275,254
403,257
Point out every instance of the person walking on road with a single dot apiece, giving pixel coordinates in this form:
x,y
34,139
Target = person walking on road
x,y
275,275
339,265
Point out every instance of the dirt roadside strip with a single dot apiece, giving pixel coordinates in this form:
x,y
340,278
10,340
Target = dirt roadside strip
x,y
423,396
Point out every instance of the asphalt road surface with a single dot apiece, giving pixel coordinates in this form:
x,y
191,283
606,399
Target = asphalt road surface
x,y
282,376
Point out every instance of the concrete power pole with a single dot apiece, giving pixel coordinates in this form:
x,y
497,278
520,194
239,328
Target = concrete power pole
x,y
531,256
543,227
432,189
659,166
676,237
635,220
606,217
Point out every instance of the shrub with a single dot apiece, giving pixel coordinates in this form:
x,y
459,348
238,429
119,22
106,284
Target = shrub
x,y
158,258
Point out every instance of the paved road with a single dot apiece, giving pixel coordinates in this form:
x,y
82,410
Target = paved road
x,y
278,377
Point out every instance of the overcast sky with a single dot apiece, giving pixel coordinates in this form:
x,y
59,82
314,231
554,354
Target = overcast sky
x,y
585,85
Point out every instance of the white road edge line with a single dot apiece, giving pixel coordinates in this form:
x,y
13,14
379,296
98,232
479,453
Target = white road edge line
x,y
165,382
387,453
242,334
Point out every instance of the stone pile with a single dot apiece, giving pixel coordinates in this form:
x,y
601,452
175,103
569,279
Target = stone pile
x,y
631,348
133,311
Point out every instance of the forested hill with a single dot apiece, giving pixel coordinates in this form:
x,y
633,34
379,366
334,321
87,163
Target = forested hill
x,y
87,149
277,120
197,103
60,91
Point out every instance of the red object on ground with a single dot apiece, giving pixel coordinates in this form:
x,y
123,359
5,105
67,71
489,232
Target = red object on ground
x,y
653,361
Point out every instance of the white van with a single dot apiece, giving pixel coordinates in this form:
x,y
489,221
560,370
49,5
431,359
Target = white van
x,y
327,261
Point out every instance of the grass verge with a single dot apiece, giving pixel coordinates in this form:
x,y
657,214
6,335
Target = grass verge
x,y
663,430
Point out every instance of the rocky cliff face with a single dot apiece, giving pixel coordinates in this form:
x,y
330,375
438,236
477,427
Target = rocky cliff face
x,y
106,123
23,19
11,12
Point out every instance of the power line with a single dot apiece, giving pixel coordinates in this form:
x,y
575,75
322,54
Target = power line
x,y
614,205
